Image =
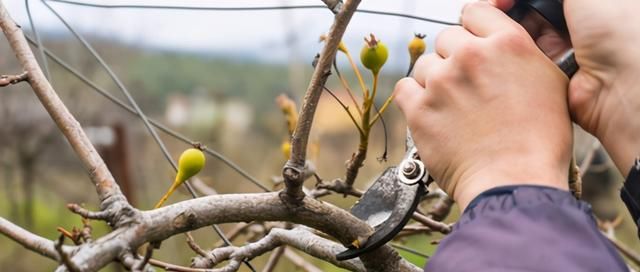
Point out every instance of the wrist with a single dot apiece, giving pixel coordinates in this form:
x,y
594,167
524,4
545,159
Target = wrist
x,y
516,170
623,150
620,134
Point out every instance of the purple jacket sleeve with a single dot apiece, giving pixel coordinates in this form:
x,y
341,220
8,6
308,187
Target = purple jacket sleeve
x,y
526,228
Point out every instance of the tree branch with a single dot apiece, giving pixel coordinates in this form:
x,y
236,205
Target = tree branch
x,y
333,5
108,190
293,169
64,257
160,224
29,240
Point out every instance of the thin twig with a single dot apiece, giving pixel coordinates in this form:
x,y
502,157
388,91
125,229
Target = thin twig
x,y
354,66
346,86
441,208
148,253
234,233
382,109
64,258
298,238
434,225
77,209
30,241
346,109
174,267
194,246
6,80
383,158
273,259
340,187
626,251
86,231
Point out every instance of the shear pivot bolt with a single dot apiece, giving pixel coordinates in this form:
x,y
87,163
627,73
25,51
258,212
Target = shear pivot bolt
x,y
410,169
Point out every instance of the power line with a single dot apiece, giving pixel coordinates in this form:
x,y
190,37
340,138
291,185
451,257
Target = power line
x,y
262,8
45,65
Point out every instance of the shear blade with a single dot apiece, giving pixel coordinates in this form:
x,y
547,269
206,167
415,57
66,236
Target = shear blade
x,y
386,206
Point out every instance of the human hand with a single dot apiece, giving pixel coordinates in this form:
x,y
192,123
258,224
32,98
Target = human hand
x,y
488,108
604,96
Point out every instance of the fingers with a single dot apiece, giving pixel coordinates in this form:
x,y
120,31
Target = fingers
x,y
424,65
409,96
503,5
482,19
450,39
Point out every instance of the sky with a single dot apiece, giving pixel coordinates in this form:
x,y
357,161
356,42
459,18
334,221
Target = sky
x,y
273,36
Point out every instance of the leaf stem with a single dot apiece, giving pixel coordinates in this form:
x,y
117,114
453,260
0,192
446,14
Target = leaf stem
x,y
365,91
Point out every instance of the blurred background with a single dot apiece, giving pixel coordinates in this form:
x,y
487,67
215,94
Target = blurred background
x,y
213,76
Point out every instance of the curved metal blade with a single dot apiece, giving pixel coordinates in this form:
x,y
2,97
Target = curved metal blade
x,y
387,206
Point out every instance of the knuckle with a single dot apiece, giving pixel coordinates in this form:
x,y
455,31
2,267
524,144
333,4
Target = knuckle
x,y
439,78
446,33
473,7
421,63
402,91
512,41
471,55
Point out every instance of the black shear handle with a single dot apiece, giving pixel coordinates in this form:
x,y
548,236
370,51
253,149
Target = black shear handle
x,y
552,11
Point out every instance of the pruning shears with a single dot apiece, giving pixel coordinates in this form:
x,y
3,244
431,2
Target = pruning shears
x,y
389,203
394,196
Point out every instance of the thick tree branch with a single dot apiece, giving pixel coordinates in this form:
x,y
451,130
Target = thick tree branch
x,y
160,224
293,169
108,190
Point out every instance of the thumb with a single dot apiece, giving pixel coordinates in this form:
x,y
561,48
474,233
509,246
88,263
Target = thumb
x,y
584,89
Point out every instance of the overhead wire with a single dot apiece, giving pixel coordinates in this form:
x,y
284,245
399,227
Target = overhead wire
x,y
257,8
